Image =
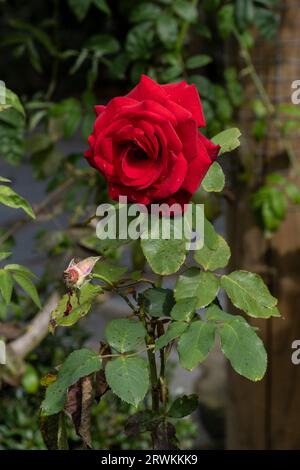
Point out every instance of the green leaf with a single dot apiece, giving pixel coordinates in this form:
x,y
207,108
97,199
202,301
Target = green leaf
x,y
184,309
5,254
142,421
6,285
244,349
195,283
198,61
214,313
157,302
185,10
225,20
87,125
216,258
28,286
195,343
53,430
293,192
103,44
289,109
174,330
167,29
214,179
12,117
234,88
38,143
224,109
204,86
13,100
145,12
30,379
270,220
211,237
183,406
77,365
102,5
4,180
118,66
18,268
124,334
248,292
80,59
62,317
228,140
12,143
165,256
10,198
3,107
128,378
244,13
140,41
171,73
267,22
35,33
66,116
79,8
109,272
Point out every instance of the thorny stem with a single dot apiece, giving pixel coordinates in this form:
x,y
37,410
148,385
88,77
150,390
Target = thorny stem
x,y
154,381
162,378
152,363
163,389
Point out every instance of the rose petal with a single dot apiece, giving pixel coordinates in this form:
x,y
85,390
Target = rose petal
x,y
186,96
197,169
115,191
188,133
173,180
212,149
147,89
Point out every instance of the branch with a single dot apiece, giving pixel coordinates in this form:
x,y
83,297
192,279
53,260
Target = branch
x,y
37,210
36,330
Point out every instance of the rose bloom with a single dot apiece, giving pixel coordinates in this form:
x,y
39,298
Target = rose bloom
x,y
148,146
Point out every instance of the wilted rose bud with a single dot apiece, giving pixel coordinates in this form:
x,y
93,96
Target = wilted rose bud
x,y
76,273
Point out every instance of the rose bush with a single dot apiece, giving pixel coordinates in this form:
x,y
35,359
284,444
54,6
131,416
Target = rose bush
x,y
148,146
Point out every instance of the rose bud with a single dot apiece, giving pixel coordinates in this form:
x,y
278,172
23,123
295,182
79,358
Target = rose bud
x,y
76,273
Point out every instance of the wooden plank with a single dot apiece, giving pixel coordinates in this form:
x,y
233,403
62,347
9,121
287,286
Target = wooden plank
x,y
265,415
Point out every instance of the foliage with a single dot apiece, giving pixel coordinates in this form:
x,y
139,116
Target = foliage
x,y
163,318
104,48
270,202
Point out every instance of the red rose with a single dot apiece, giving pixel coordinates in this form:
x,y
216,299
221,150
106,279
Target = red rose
x,y
148,146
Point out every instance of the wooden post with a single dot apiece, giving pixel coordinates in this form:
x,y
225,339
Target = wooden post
x,y
266,415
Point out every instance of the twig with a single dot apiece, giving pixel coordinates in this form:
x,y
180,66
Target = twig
x,y
36,330
38,209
